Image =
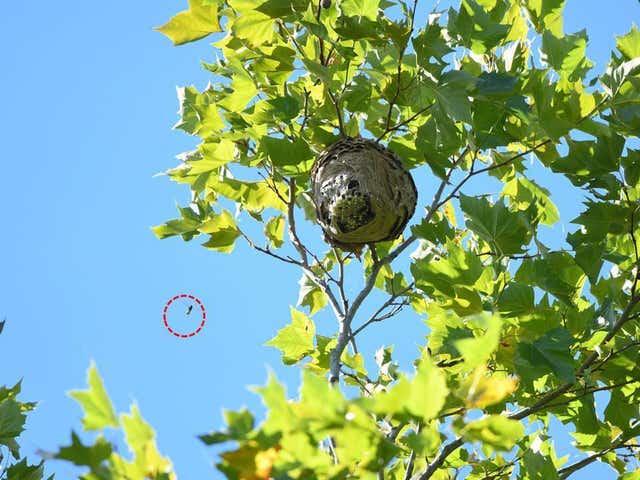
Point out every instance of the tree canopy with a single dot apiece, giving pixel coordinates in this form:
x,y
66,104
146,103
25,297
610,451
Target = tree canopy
x,y
517,333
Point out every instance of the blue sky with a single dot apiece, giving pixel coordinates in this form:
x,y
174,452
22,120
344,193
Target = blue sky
x,y
89,101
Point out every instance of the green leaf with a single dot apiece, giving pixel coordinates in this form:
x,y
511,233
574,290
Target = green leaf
x,y
279,8
620,409
454,101
310,295
360,8
11,424
239,425
602,218
551,352
289,157
496,84
23,471
295,341
546,15
453,277
279,411
567,54
358,28
214,153
436,230
140,438
193,24
524,193
496,431
516,300
222,230
319,400
243,88
254,27
95,403
538,467
476,27
198,112
81,455
274,230
556,273
421,397
357,96
629,44
280,109
477,350
253,196
507,232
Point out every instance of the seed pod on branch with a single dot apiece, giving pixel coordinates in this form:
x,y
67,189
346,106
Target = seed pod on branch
x,y
362,193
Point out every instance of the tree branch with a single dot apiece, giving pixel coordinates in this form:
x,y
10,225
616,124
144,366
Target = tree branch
x,y
336,105
399,70
439,460
376,318
615,444
546,400
555,393
398,126
345,325
267,251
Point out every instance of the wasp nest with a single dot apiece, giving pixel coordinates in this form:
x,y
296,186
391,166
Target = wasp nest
x,y
362,193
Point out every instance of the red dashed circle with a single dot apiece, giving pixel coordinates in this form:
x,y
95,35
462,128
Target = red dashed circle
x,y
203,314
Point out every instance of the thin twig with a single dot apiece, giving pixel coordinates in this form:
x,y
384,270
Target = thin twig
x,y
404,122
376,317
293,235
564,388
267,251
612,354
302,251
305,113
357,380
617,442
336,104
412,457
396,94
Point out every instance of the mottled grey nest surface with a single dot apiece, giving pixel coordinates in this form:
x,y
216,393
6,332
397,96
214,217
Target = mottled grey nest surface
x,y
362,193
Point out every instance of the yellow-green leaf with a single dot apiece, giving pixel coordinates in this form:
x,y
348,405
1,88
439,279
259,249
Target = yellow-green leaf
x,y
274,231
223,231
97,407
629,44
295,341
193,24
141,440
496,431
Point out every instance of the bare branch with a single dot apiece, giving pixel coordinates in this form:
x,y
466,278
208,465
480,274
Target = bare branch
x,y
376,317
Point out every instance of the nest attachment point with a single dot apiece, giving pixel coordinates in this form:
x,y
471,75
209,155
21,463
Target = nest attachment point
x,y
362,193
